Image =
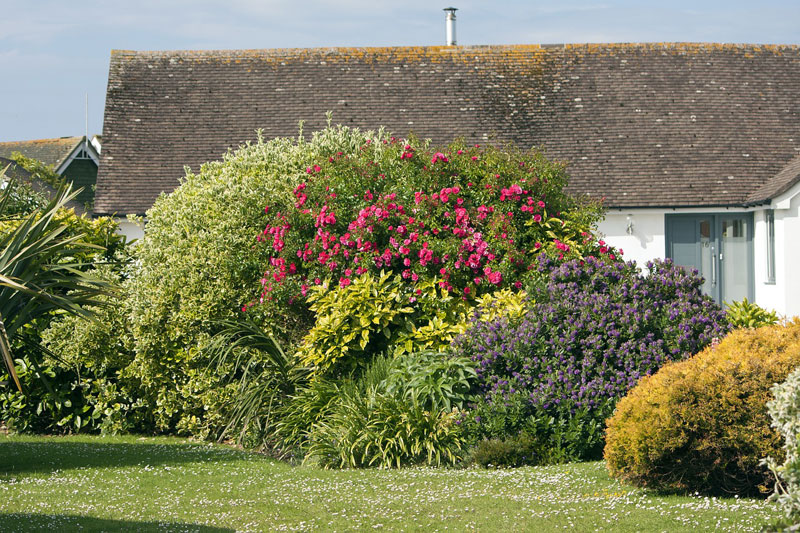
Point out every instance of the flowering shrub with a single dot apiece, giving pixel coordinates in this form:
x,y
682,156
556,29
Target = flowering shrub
x,y
593,330
472,218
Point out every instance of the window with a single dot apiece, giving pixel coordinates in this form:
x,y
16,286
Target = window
x,y
769,217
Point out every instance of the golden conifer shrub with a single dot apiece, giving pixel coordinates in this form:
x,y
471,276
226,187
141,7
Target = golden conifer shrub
x,y
702,424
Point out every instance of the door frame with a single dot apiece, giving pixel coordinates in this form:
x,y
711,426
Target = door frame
x,y
717,242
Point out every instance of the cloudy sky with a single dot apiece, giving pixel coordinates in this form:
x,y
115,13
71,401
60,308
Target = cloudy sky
x,y
54,53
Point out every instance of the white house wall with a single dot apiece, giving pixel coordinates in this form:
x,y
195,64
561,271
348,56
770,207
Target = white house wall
x,y
769,295
789,263
131,230
646,243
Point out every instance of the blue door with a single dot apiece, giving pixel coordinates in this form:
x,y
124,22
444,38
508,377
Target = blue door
x,y
720,247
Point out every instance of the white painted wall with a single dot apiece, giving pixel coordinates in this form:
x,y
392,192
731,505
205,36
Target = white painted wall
x,y
768,295
646,243
789,263
131,230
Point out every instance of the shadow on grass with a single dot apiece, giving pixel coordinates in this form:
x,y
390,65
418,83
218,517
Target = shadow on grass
x,y
60,522
21,457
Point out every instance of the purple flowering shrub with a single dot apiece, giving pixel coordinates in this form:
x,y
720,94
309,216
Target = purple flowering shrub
x,y
594,328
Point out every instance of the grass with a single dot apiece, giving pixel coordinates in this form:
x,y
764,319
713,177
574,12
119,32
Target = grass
x,y
165,484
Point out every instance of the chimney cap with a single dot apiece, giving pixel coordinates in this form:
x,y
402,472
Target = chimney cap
x,y
451,9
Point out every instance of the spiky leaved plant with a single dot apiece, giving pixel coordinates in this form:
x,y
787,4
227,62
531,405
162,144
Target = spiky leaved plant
x,y
40,272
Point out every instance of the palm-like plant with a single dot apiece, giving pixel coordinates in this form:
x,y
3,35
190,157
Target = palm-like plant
x,y
254,356
39,272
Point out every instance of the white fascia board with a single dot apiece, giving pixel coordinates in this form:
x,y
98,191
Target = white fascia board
x,y
677,210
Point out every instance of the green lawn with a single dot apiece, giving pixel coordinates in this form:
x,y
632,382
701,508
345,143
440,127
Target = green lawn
x,y
164,484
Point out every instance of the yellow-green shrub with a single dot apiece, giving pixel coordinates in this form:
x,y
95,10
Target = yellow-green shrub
x,y
746,314
373,314
441,322
354,322
702,424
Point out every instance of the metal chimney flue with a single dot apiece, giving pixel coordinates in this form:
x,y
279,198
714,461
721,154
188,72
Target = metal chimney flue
x,y
450,19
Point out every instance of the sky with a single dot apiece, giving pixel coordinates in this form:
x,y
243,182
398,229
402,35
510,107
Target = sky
x,y
53,54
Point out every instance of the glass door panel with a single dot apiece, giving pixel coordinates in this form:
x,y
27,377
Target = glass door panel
x,y
707,254
735,251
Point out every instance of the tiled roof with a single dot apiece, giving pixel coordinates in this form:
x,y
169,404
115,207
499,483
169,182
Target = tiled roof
x,y
50,151
779,184
639,124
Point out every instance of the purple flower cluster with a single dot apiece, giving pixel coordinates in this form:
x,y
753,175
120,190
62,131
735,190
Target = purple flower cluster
x,y
595,328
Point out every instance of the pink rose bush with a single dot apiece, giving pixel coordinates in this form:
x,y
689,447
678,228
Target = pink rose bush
x,y
472,218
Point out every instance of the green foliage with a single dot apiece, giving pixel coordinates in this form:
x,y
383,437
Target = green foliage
x,y
403,410
39,170
265,375
784,411
309,404
380,429
374,315
41,273
99,347
53,400
435,380
508,304
22,199
101,232
47,277
749,315
702,424
354,322
552,436
92,355
513,451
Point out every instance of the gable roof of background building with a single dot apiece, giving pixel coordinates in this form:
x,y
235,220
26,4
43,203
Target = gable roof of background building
x,y
640,124
53,152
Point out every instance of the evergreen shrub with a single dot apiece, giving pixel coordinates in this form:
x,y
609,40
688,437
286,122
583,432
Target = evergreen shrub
x,y
197,265
702,424
745,314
